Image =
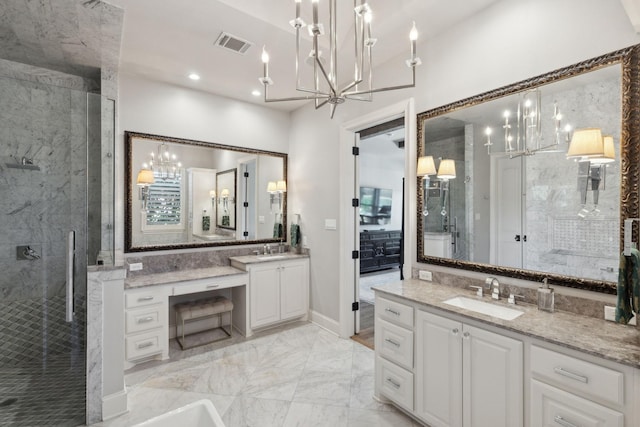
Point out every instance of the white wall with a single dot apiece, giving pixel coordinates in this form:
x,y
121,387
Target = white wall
x,y
152,107
508,42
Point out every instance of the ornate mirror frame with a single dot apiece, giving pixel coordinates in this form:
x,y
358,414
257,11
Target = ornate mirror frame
x,y
129,194
629,58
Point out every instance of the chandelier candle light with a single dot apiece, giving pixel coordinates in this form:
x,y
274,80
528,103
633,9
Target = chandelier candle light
x,y
325,81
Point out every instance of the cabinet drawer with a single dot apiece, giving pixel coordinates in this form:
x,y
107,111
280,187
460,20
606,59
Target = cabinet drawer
x,y
394,343
142,345
577,376
144,319
395,382
208,285
394,312
552,407
141,299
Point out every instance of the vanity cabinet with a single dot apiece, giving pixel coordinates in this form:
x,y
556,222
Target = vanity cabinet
x,y
279,291
394,351
466,376
145,324
567,391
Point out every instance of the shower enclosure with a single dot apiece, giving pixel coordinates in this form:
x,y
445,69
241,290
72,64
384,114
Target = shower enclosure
x,y
49,137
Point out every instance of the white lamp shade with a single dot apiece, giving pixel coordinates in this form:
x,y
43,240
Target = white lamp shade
x,y
224,193
145,178
586,143
447,169
426,166
609,151
281,186
212,193
271,187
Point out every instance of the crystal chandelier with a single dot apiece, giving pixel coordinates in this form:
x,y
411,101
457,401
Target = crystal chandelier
x,y
326,89
164,164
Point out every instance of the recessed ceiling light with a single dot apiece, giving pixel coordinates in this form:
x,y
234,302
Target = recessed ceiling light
x,y
256,93
194,76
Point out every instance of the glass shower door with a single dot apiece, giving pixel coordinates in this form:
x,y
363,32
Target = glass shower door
x,y
43,206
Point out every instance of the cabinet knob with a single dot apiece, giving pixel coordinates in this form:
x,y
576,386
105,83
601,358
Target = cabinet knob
x,y
466,335
455,331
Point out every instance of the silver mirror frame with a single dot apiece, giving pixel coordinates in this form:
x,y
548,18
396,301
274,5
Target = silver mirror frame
x,y
129,194
629,59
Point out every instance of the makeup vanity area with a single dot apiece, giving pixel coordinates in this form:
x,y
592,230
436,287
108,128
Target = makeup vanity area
x,y
265,290
195,194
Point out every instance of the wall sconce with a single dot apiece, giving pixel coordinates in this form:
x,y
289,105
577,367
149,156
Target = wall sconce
x,y
593,152
212,194
143,181
426,167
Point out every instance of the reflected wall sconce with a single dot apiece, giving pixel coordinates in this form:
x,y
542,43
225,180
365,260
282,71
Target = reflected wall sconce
x,y
143,181
446,171
224,199
212,195
593,152
275,190
426,168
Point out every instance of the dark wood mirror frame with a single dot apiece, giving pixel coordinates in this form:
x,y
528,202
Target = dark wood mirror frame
x,y
129,194
629,59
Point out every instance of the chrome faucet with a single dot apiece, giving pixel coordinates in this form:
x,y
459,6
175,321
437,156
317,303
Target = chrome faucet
x,y
267,249
494,286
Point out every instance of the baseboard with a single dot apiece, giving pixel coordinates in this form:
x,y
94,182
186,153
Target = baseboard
x,y
114,405
325,322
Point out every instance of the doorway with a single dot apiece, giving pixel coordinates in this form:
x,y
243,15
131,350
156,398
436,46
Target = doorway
x,y
380,169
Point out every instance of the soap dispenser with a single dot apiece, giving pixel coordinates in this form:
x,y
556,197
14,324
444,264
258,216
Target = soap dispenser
x,y
545,297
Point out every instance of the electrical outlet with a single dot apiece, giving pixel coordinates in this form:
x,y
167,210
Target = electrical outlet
x,y
610,314
425,275
136,266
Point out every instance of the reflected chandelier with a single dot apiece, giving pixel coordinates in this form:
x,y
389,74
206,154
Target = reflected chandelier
x,y
165,164
326,88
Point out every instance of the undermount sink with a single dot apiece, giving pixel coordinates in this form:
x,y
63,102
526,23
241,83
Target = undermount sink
x,y
271,256
504,313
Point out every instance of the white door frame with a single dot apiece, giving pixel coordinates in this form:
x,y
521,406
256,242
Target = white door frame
x,y
346,264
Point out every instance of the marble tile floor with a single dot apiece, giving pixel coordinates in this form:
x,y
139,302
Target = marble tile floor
x,y
296,375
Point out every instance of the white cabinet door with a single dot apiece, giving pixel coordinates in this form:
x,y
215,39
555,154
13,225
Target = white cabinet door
x,y
438,370
294,290
492,379
265,295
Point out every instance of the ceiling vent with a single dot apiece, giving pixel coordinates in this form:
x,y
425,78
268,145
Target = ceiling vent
x,y
233,43
399,142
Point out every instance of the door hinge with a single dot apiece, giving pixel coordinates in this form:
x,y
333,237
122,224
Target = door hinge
x,y
245,204
355,306
355,202
245,233
355,254
355,151
246,174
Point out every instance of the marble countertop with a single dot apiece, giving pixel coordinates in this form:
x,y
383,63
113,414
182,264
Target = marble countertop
x,y
618,343
252,259
180,276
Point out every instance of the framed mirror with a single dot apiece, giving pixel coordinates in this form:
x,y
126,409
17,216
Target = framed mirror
x,y
506,187
185,194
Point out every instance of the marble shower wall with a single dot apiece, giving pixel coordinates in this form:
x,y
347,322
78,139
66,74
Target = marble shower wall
x,y
47,124
559,240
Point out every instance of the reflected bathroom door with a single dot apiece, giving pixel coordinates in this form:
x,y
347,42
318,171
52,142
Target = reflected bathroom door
x,y
43,197
507,212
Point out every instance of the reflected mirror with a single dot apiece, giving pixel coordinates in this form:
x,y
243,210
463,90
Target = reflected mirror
x,y
184,193
509,182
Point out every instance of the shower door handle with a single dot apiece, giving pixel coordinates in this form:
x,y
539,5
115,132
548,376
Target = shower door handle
x,y
71,250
